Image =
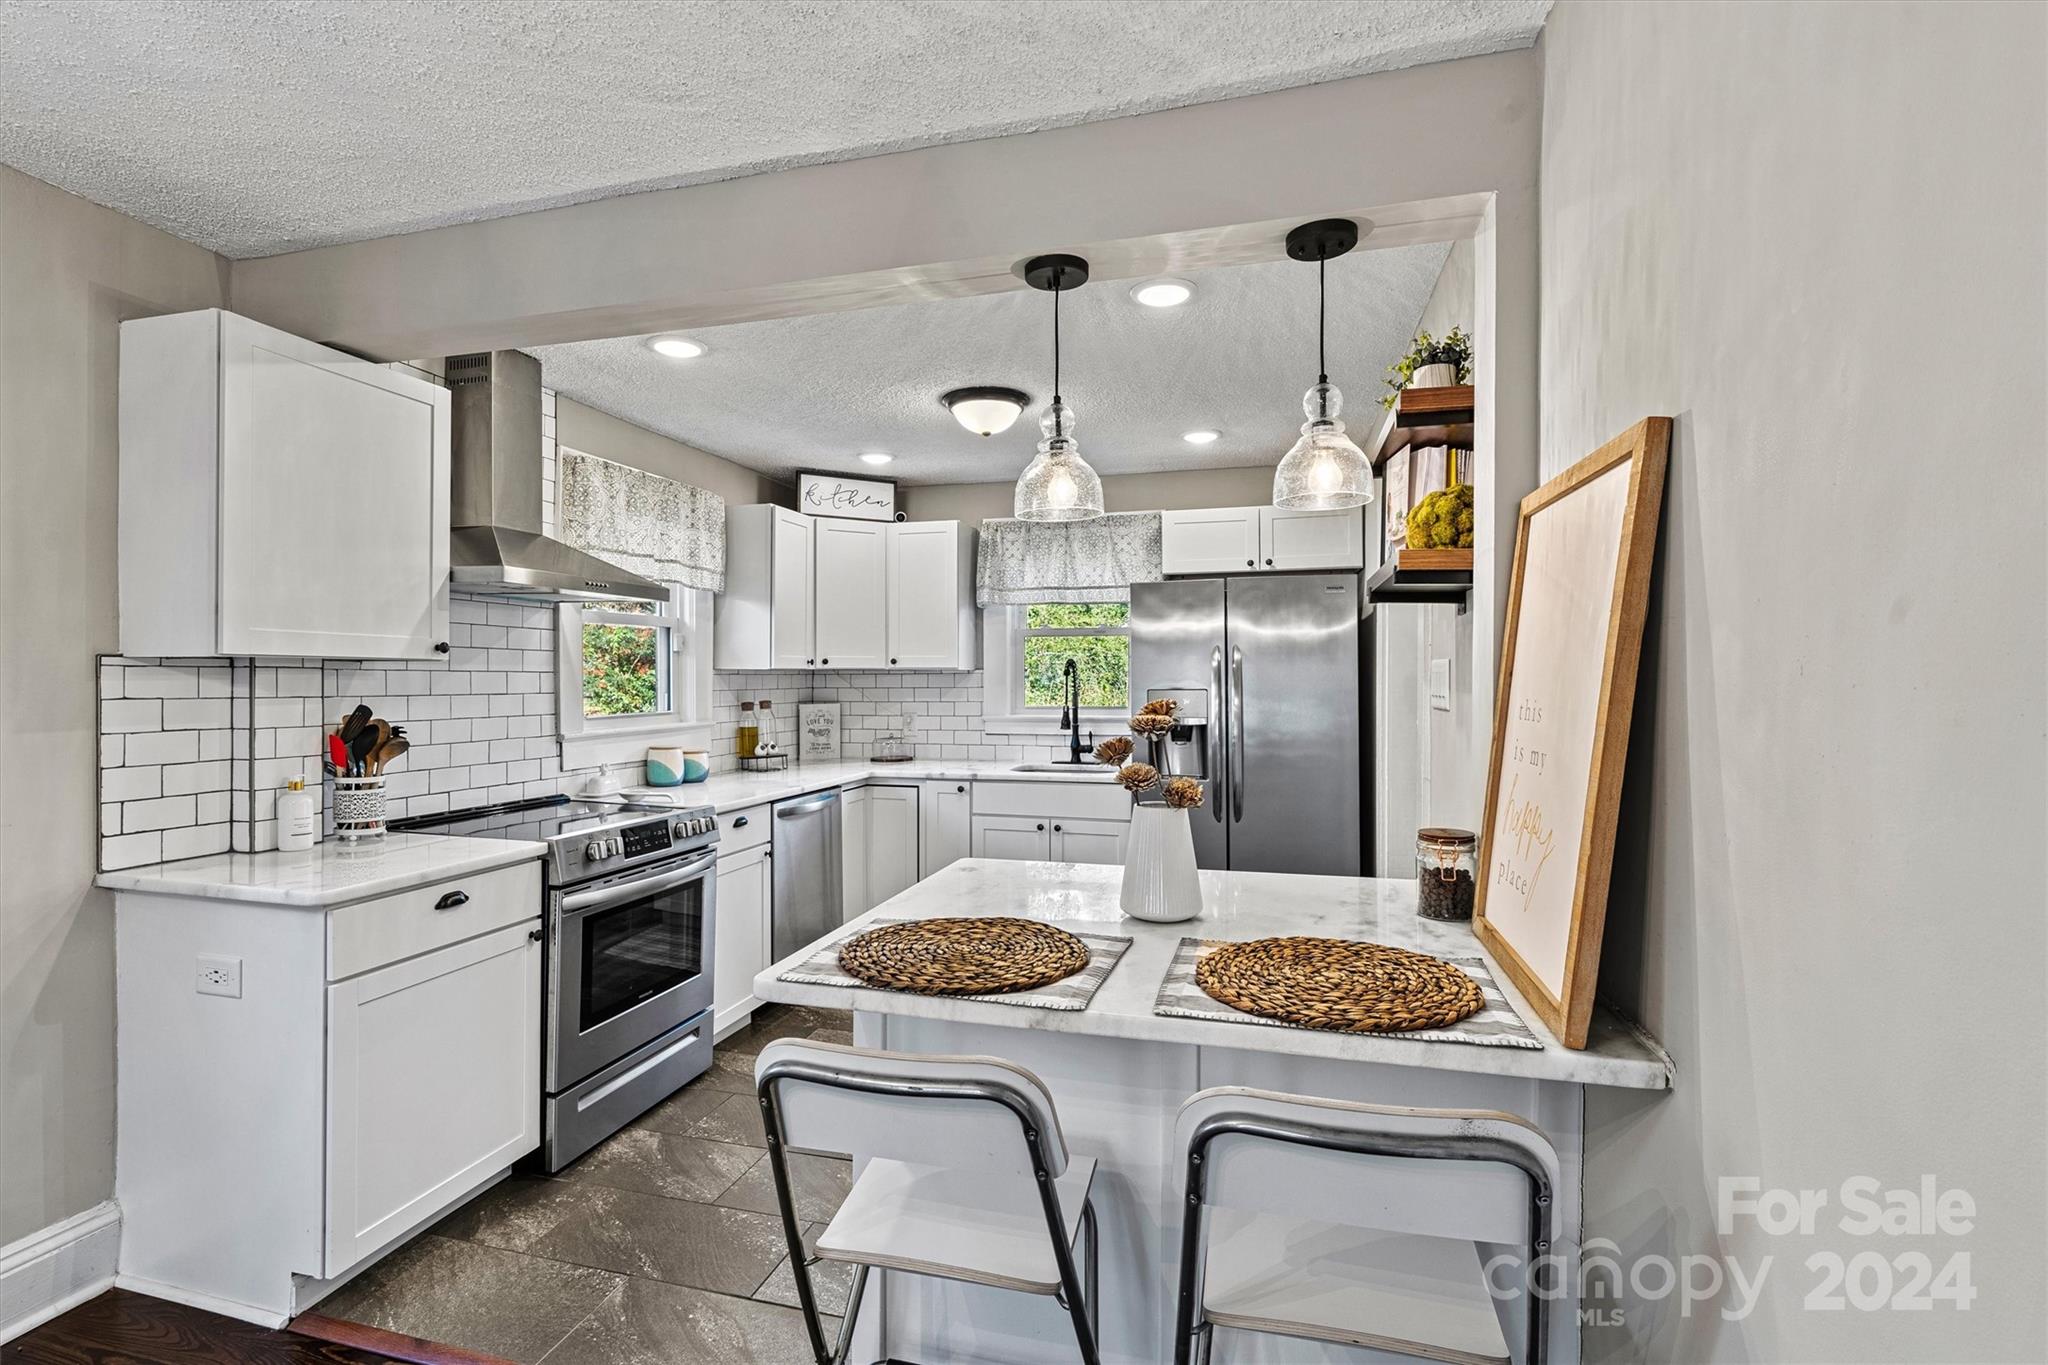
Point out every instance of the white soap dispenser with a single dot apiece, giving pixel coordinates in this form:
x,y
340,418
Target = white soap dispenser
x,y
298,817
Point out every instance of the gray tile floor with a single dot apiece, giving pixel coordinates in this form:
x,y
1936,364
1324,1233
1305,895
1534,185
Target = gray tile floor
x,y
663,1246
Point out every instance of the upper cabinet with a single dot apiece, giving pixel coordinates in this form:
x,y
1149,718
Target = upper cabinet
x,y
827,592
1236,540
277,497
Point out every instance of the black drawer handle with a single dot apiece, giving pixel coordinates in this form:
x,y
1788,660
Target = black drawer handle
x,y
739,822
959,789
1041,827
533,935
1055,829
892,661
452,900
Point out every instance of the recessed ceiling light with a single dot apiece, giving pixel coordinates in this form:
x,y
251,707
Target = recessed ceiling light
x,y
984,410
677,348
875,457
1200,438
1163,293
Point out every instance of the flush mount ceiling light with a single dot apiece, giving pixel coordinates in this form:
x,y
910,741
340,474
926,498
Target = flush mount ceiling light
x,y
676,348
1165,293
1200,438
984,411
875,457
1325,470
1058,484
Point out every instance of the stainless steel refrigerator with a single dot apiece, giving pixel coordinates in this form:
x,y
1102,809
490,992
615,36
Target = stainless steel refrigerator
x,y
1269,672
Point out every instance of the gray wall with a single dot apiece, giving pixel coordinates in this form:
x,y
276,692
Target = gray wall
x,y
1247,487
1787,227
70,272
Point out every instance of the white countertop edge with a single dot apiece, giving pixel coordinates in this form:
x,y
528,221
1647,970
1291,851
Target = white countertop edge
x,y
327,875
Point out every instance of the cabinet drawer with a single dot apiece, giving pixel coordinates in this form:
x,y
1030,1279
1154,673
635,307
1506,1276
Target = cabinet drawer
x,y
391,928
743,829
1099,800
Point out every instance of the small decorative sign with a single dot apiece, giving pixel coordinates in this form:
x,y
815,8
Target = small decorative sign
x,y
817,724
834,495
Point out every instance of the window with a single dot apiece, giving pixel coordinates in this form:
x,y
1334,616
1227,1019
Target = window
x,y
1095,635
630,674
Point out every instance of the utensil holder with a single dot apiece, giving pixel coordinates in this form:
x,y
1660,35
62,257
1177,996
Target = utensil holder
x,y
358,807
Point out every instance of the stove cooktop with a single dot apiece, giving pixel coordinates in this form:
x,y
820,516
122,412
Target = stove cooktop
x,y
584,838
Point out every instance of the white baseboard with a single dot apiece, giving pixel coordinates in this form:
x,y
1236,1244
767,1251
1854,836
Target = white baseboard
x,y
54,1270
210,1303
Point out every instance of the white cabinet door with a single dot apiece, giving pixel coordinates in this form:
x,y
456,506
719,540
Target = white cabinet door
x,y
853,852
1311,540
1022,837
432,1084
1210,540
892,841
739,939
852,595
1089,841
946,834
926,581
792,610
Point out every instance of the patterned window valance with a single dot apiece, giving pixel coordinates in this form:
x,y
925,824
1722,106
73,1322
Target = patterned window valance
x,y
656,527
1079,561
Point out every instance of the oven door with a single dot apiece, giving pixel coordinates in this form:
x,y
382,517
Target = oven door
x,y
630,959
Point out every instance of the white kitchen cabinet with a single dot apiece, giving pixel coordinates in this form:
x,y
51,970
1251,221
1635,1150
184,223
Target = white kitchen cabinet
x,y
854,836
1213,540
933,620
1023,837
766,617
1089,841
852,593
740,940
401,1144
892,841
1237,540
277,497
945,833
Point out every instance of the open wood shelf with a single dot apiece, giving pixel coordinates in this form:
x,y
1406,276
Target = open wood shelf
x,y
1422,576
1425,417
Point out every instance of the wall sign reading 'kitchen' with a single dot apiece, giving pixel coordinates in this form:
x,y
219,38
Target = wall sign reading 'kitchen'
x,y
1567,686
832,495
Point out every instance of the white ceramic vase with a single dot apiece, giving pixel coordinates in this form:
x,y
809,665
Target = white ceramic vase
x,y
1160,882
1433,376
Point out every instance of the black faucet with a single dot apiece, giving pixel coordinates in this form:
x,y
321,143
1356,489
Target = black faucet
x,y
1070,712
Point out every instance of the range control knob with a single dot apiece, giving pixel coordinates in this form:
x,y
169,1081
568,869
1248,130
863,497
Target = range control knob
x,y
613,847
593,851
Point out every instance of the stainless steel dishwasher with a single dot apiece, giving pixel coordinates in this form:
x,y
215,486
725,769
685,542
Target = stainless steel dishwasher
x,y
807,894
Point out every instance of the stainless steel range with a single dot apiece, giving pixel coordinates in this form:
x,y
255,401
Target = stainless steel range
x,y
630,895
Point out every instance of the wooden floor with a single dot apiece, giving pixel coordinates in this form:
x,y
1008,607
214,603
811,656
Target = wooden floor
x,y
124,1328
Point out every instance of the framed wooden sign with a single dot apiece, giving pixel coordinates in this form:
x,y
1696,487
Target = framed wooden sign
x,y
1576,600
836,495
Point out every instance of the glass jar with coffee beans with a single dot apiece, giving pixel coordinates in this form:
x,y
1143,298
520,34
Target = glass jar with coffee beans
x,y
1446,863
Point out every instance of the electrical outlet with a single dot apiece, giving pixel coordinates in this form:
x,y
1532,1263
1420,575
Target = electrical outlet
x,y
219,976
1440,684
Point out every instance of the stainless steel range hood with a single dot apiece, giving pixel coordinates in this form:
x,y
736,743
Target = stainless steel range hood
x,y
495,544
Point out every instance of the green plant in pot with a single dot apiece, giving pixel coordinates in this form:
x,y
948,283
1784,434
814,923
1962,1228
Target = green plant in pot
x,y
1430,363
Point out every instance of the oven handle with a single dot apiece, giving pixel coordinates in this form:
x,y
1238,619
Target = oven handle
x,y
576,902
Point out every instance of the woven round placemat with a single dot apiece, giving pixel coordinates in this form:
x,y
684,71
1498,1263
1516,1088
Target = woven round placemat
x,y
963,956
1332,983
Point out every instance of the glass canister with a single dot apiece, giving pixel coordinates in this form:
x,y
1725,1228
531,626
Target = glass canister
x,y
1446,871
747,738
769,742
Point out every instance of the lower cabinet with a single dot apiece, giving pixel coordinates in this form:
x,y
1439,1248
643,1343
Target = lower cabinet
x,y
853,853
740,936
892,842
944,818
1089,841
1050,839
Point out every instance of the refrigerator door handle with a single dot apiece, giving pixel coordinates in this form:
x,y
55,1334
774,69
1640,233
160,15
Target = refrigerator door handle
x,y
1237,764
1215,730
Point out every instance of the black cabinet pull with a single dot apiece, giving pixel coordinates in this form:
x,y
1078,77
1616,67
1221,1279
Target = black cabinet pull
x,y
1251,564
533,935
1055,829
1041,828
961,788
452,900
441,648
892,661
1269,563
810,661
739,822
824,661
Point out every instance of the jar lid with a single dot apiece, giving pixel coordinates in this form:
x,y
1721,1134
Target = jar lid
x,y
1440,834
746,706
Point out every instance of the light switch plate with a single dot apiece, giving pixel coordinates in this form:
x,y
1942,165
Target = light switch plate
x,y
1439,684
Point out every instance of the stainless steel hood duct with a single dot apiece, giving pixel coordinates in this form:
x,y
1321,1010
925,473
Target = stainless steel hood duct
x,y
495,544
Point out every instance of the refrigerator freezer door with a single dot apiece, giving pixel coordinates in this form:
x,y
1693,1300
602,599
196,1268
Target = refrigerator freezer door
x,y
1298,762
1177,645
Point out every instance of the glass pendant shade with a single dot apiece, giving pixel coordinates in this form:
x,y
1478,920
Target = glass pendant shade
x,y
1058,485
1325,471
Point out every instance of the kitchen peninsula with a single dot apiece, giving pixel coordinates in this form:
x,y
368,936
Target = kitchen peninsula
x,y
1119,1072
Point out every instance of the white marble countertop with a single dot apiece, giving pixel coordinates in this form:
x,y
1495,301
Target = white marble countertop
x,y
731,791
328,874
1236,906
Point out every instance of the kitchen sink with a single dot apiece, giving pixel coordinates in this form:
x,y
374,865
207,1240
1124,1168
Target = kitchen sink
x,y
1070,769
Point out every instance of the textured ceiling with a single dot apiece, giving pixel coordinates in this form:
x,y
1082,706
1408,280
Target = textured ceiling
x,y
814,392
260,126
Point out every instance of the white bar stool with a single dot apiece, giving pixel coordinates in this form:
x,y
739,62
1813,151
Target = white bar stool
x,y
967,1177
1362,1225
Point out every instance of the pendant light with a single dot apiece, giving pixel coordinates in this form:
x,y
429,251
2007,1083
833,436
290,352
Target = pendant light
x,y
1325,470
1057,485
